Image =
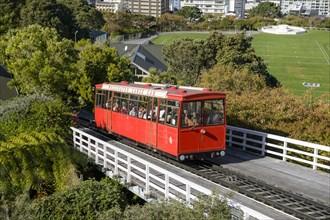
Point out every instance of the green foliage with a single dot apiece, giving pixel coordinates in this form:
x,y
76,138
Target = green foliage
x,y
33,113
9,14
204,208
227,78
266,9
65,16
191,14
237,51
97,63
42,12
127,23
277,111
233,50
160,77
170,22
35,163
39,61
84,201
185,68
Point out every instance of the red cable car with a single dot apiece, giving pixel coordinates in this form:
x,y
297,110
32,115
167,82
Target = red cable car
x,y
181,122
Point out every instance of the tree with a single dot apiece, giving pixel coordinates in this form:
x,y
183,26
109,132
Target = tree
x,y
84,201
82,17
34,113
65,16
97,63
43,12
160,77
188,67
170,22
215,207
39,60
238,52
235,51
127,23
266,9
191,14
227,78
35,163
9,14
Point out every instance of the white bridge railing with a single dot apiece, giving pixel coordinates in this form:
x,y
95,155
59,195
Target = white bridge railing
x,y
313,155
144,178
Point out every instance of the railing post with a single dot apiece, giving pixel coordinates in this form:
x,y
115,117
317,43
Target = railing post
x,y
316,152
89,146
230,137
167,186
129,169
104,156
116,163
188,193
285,145
96,153
244,141
263,146
147,180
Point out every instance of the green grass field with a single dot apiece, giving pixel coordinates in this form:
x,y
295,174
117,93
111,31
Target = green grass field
x,y
292,59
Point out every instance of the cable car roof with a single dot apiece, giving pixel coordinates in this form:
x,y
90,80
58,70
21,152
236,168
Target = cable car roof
x,y
156,90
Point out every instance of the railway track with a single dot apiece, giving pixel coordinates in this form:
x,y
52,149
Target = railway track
x,y
288,202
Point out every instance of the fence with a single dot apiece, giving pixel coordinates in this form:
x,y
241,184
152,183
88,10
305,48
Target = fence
x,y
145,178
287,149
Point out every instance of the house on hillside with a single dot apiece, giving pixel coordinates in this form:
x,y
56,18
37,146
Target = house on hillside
x,y
98,35
143,57
5,91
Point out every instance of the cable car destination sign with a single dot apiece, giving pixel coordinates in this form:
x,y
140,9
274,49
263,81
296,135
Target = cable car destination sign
x,y
135,90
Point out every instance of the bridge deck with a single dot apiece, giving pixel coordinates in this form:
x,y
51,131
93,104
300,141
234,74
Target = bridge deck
x,y
241,199
288,176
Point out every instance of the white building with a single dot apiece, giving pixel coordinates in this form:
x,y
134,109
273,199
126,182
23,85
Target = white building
x,y
175,5
109,5
146,7
306,7
218,6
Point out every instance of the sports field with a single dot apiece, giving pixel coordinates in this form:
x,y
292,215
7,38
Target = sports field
x,y
297,61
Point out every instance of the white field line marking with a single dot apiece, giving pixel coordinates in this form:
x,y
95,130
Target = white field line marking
x,y
292,56
304,68
323,52
294,62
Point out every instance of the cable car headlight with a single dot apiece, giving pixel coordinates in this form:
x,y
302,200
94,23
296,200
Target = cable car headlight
x,y
182,157
222,153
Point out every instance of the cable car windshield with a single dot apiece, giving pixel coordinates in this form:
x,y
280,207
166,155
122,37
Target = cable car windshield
x,y
208,112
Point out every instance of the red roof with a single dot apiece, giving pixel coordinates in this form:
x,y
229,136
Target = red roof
x,y
156,90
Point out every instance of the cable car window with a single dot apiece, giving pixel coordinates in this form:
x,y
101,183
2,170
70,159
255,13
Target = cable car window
x,y
143,107
99,97
172,110
107,100
124,103
133,105
214,112
191,115
162,111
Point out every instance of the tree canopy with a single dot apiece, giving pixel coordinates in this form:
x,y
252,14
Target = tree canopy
x,y
97,63
190,13
199,55
39,60
266,9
